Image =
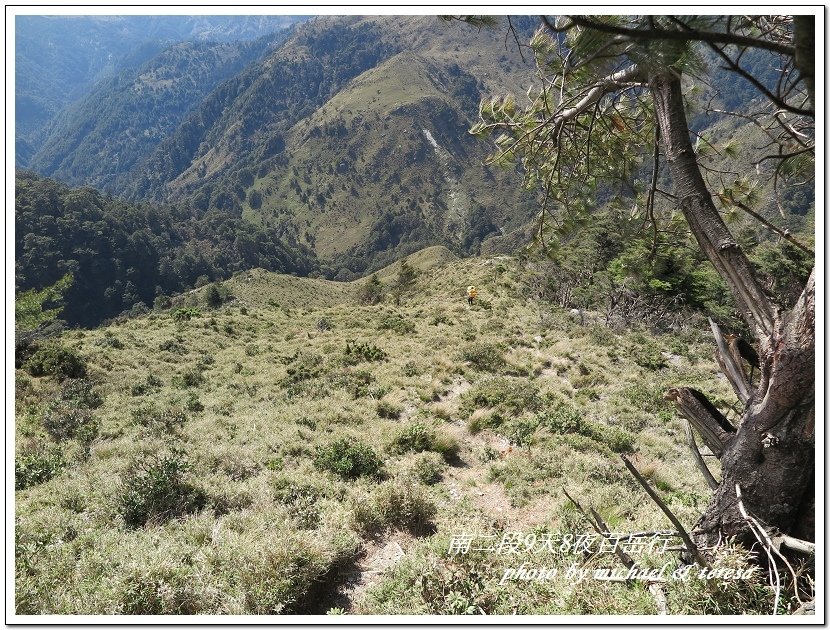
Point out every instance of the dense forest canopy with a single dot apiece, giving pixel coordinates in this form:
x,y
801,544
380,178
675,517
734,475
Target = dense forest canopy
x,y
123,255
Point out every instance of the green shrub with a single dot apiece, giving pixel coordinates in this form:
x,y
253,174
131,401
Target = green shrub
x,y
56,360
190,378
618,440
602,336
478,422
64,421
37,465
646,353
349,459
213,299
646,396
417,438
561,417
521,431
388,410
193,403
358,351
161,590
185,314
174,345
110,340
355,382
154,489
303,367
81,393
205,360
397,323
371,292
396,505
509,397
411,369
487,357
428,467
323,325
300,499
151,384
167,420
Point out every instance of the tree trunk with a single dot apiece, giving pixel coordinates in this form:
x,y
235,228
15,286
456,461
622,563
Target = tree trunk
x,y
772,455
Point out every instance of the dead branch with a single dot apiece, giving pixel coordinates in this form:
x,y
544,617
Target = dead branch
x,y
690,545
602,529
763,538
731,368
794,544
717,432
704,469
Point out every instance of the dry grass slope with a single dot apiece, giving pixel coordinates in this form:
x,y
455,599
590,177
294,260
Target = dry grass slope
x,y
261,458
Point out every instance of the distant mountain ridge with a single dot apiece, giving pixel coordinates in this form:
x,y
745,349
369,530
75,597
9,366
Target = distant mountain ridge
x,y
58,59
350,136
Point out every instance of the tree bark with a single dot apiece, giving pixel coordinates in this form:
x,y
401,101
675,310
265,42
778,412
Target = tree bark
x,y
772,454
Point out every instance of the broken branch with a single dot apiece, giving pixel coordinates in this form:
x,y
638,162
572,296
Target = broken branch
x,y
690,545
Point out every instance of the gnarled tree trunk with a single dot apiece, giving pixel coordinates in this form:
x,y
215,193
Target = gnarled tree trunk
x,y
772,454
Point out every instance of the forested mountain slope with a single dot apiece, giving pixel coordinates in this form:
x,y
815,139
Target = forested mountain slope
x,y
351,135
58,59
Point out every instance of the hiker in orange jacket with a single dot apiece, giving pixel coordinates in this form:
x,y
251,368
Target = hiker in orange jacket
x,y
471,294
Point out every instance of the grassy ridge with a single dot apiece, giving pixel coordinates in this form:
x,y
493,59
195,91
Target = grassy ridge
x,y
255,457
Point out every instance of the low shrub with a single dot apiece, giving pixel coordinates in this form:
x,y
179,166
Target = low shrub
x,y
487,357
479,420
349,459
564,419
359,351
396,505
154,489
388,410
521,431
397,323
151,384
561,417
174,345
411,369
64,421
162,590
428,467
418,437
646,353
300,499
185,314
37,465
323,324
647,397
81,393
303,367
56,360
167,420
189,378
617,439
509,397
193,403
110,340
355,382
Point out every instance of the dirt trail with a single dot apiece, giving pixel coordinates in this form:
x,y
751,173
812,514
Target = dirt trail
x,y
466,479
